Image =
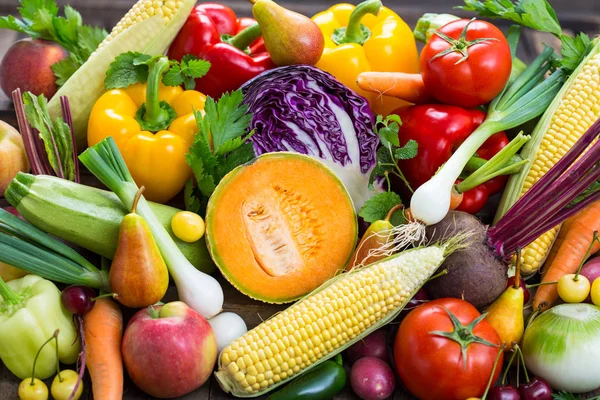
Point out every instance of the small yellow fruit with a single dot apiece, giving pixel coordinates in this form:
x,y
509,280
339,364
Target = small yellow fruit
x,y
36,390
595,292
62,389
188,226
573,290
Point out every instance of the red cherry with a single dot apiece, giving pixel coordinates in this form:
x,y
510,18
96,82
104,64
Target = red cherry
x,y
503,393
78,299
536,389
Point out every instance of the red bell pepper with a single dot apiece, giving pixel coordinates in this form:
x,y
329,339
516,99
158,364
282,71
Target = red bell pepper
x,y
233,46
439,130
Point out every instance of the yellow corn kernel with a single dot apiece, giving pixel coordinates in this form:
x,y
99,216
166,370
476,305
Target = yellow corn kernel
x,y
579,108
357,295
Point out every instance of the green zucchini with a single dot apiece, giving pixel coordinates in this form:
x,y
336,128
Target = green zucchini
x,y
86,216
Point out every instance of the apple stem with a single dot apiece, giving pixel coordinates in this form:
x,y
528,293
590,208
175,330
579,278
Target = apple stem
x,y
81,357
517,283
136,199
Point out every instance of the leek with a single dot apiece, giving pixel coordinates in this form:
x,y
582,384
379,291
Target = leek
x,y
198,290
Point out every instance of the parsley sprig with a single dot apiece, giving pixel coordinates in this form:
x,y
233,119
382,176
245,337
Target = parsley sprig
x,y
40,20
388,155
220,145
538,15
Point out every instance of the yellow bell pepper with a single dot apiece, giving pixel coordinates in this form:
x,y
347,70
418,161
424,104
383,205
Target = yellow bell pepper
x,y
368,37
152,139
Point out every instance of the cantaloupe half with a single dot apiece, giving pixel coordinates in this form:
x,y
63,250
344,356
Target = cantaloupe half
x,y
280,226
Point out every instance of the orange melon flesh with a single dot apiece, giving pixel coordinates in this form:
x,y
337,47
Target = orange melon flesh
x,y
279,227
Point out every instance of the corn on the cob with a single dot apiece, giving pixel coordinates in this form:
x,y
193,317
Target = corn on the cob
x,y
149,27
326,322
572,112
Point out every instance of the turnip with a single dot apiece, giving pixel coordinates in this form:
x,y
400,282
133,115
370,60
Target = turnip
x,y
372,379
374,345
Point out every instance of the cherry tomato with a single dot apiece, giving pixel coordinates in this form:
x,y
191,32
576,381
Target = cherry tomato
x,y
429,358
188,226
36,391
473,71
595,292
571,290
62,389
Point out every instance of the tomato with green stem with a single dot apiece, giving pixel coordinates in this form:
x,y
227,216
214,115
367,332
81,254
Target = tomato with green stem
x,y
448,342
466,63
575,288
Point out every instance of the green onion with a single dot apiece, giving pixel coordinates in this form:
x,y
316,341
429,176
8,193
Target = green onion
x,y
523,100
24,246
198,290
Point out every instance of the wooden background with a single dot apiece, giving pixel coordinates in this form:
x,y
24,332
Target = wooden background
x,y
575,15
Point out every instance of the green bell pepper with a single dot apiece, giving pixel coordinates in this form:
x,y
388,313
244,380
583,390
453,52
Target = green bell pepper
x,y
321,383
30,312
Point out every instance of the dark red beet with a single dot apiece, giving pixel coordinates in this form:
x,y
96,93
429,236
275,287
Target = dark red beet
x,y
78,299
374,345
536,389
503,393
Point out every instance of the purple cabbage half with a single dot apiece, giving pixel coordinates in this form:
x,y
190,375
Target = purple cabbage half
x,y
305,110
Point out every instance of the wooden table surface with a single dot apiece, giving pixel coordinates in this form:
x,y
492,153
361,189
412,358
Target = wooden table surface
x,y
575,15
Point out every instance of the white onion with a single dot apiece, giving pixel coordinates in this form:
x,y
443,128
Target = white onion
x,y
227,327
562,346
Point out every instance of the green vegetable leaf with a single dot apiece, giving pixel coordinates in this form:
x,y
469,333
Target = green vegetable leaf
x,y
562,395
67,29
408,151
378,206
226,123
124,71
89,38
64,69
574,50
10,22
535,14
186,71
56,135
192,198
228,119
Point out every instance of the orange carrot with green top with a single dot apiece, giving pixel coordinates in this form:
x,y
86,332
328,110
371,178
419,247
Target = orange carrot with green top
x,y
408,87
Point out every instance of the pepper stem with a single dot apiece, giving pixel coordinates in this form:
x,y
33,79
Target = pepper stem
x,y
356,32
245,37
55,335
154,113
136,199
8,294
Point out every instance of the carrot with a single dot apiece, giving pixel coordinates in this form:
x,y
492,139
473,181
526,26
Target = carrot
x,y
103,327
560,238
404,86
570,255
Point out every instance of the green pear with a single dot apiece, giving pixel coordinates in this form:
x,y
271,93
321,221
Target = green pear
x,y
290,38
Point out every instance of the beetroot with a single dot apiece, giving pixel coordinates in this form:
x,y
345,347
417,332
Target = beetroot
x,y
372,379
374,345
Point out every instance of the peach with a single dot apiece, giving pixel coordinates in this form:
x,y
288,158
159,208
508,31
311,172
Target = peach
x,y
27,65
12,155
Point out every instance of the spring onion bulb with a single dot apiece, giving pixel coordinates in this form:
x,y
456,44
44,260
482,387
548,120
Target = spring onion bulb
x,y
200,291
562,346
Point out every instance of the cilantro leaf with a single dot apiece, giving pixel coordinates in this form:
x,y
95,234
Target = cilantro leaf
x,y
64,69
378,206
89,38
535,14
186,71
56,135
408,151
575,49
10,22
225,122
122,72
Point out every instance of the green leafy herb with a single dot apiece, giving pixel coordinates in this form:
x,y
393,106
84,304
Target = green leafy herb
x,y
226,122
562,395
56,135
391,151
538,15
40,20
378,206
132,67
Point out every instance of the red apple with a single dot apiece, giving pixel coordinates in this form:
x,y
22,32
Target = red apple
x,y
169,350
27,65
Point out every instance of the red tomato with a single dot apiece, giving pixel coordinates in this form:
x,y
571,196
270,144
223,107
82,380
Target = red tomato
x,y
432,366
477,79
